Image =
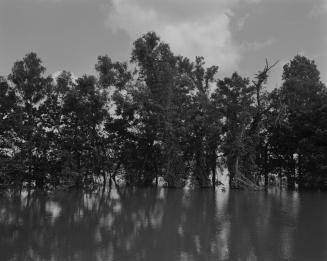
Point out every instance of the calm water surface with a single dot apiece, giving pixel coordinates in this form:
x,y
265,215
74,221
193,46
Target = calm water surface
x,y
163,224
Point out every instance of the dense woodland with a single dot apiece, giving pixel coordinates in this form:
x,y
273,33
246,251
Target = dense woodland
x,y
161,117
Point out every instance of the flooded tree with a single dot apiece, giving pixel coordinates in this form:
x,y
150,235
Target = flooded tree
x,y
161,119
299,135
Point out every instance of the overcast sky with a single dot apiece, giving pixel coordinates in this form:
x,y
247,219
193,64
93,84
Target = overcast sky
x,y
236,35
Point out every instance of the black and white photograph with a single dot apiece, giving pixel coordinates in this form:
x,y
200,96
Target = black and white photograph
x,y
163,130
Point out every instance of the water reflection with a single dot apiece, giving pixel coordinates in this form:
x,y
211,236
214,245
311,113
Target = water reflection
x,y
162,224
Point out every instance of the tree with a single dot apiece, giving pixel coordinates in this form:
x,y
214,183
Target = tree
x,y
7,106
236,99
83,115
202,119
9,170
115,78
157,70
29,83
303,96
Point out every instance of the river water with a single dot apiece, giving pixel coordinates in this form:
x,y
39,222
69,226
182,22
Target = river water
x,y
163,224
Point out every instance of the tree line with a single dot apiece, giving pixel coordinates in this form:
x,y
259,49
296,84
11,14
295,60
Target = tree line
x,y
166,117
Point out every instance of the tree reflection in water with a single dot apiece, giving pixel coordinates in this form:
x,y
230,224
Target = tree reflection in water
x,y
163,224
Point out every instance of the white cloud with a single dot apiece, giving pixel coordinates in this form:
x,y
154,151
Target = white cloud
x,y
324,6
191,27
241,22
50,1
319,9
254,46
57,1
211,39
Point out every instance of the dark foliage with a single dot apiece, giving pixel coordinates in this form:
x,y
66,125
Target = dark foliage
x,y
169,120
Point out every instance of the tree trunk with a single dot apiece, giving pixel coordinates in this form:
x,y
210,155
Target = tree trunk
x,y
113,176
213,178
291,176
265,173
213,169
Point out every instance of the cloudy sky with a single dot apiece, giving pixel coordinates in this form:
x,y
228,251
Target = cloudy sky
x,y
233,34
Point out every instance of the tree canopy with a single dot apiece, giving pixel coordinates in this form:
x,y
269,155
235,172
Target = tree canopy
x,y
161,118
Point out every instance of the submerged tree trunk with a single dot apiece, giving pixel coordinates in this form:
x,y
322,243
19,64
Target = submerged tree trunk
x,y
113,176
156,172
213,178
291,174
233,171
104,176
266,179
237,172
265,170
